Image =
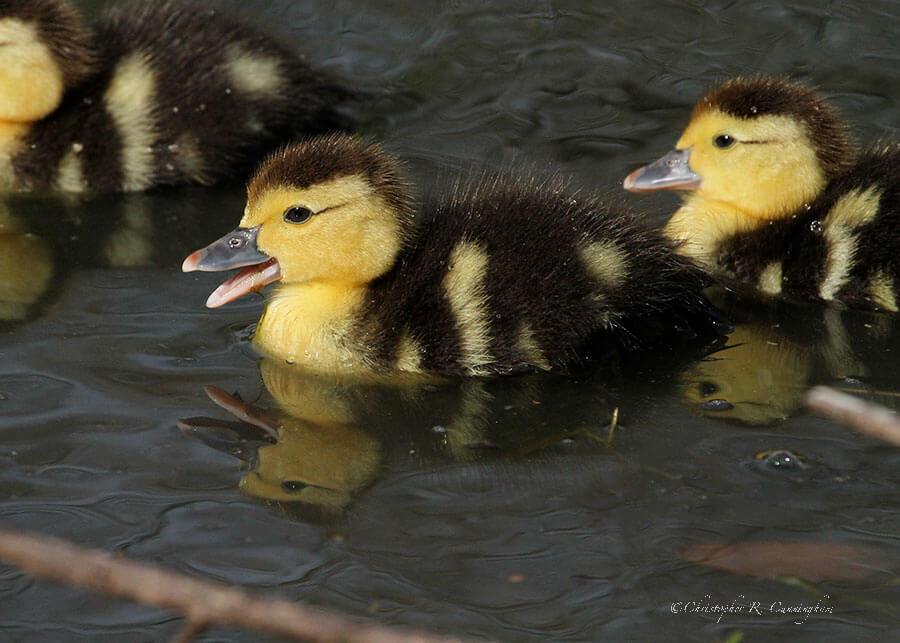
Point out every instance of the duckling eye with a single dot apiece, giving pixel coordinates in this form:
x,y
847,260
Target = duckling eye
x,y
297,214
293,485
723,141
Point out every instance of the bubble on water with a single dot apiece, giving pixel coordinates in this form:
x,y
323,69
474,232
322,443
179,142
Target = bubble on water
x,y
717,404
782,459
77,147
815,226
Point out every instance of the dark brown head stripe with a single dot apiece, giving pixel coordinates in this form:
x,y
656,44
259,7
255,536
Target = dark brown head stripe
x,y
763,96
325,158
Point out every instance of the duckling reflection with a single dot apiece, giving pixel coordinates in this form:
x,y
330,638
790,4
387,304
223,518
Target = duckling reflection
x,y
26,267
757,378
778,351
44,239
330,438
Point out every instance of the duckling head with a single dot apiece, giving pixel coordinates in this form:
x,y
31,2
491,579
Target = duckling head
x,y
45,49
333,210
755,149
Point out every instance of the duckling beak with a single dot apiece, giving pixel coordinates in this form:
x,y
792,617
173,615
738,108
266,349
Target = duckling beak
x,y
671,172
236,249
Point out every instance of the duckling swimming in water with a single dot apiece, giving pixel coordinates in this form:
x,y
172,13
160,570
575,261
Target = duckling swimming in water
x,y
152,94
504,275
780,199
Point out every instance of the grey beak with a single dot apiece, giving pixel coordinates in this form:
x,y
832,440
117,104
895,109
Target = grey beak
x,y
235,250
671,172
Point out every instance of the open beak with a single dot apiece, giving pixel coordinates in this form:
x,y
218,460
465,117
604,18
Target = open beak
x,y
671,172
237,249
241,439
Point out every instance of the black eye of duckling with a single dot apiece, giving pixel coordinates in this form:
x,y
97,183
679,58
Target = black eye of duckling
x,y
298,214
723,141
293,485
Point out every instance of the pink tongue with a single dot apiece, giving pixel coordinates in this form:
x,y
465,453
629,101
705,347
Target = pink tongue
x,y
249,279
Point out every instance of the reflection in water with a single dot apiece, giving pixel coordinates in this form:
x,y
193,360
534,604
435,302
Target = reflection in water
x,y
26,267
329,438
779,350
44,240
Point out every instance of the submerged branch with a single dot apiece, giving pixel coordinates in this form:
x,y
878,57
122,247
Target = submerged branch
x,y
866,417
202,602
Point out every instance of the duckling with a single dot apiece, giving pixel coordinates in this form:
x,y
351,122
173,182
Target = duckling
x,y
780,198
152,94
504,275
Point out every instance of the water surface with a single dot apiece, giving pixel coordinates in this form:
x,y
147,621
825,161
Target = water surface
x,y
500,510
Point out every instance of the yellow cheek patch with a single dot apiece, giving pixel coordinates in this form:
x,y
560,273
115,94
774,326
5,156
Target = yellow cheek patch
x,y
354,238
31,83
768,173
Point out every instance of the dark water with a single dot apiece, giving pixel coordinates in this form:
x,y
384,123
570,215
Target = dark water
x,y
491,509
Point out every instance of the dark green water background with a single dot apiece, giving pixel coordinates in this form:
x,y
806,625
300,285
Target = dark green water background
x,y
493,510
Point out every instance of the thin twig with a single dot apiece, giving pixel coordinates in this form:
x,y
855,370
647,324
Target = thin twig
x,y
613,423
202,602
866,417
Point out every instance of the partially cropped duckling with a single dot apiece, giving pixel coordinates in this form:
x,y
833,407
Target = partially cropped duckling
x,y
152,94
780,199
502,276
